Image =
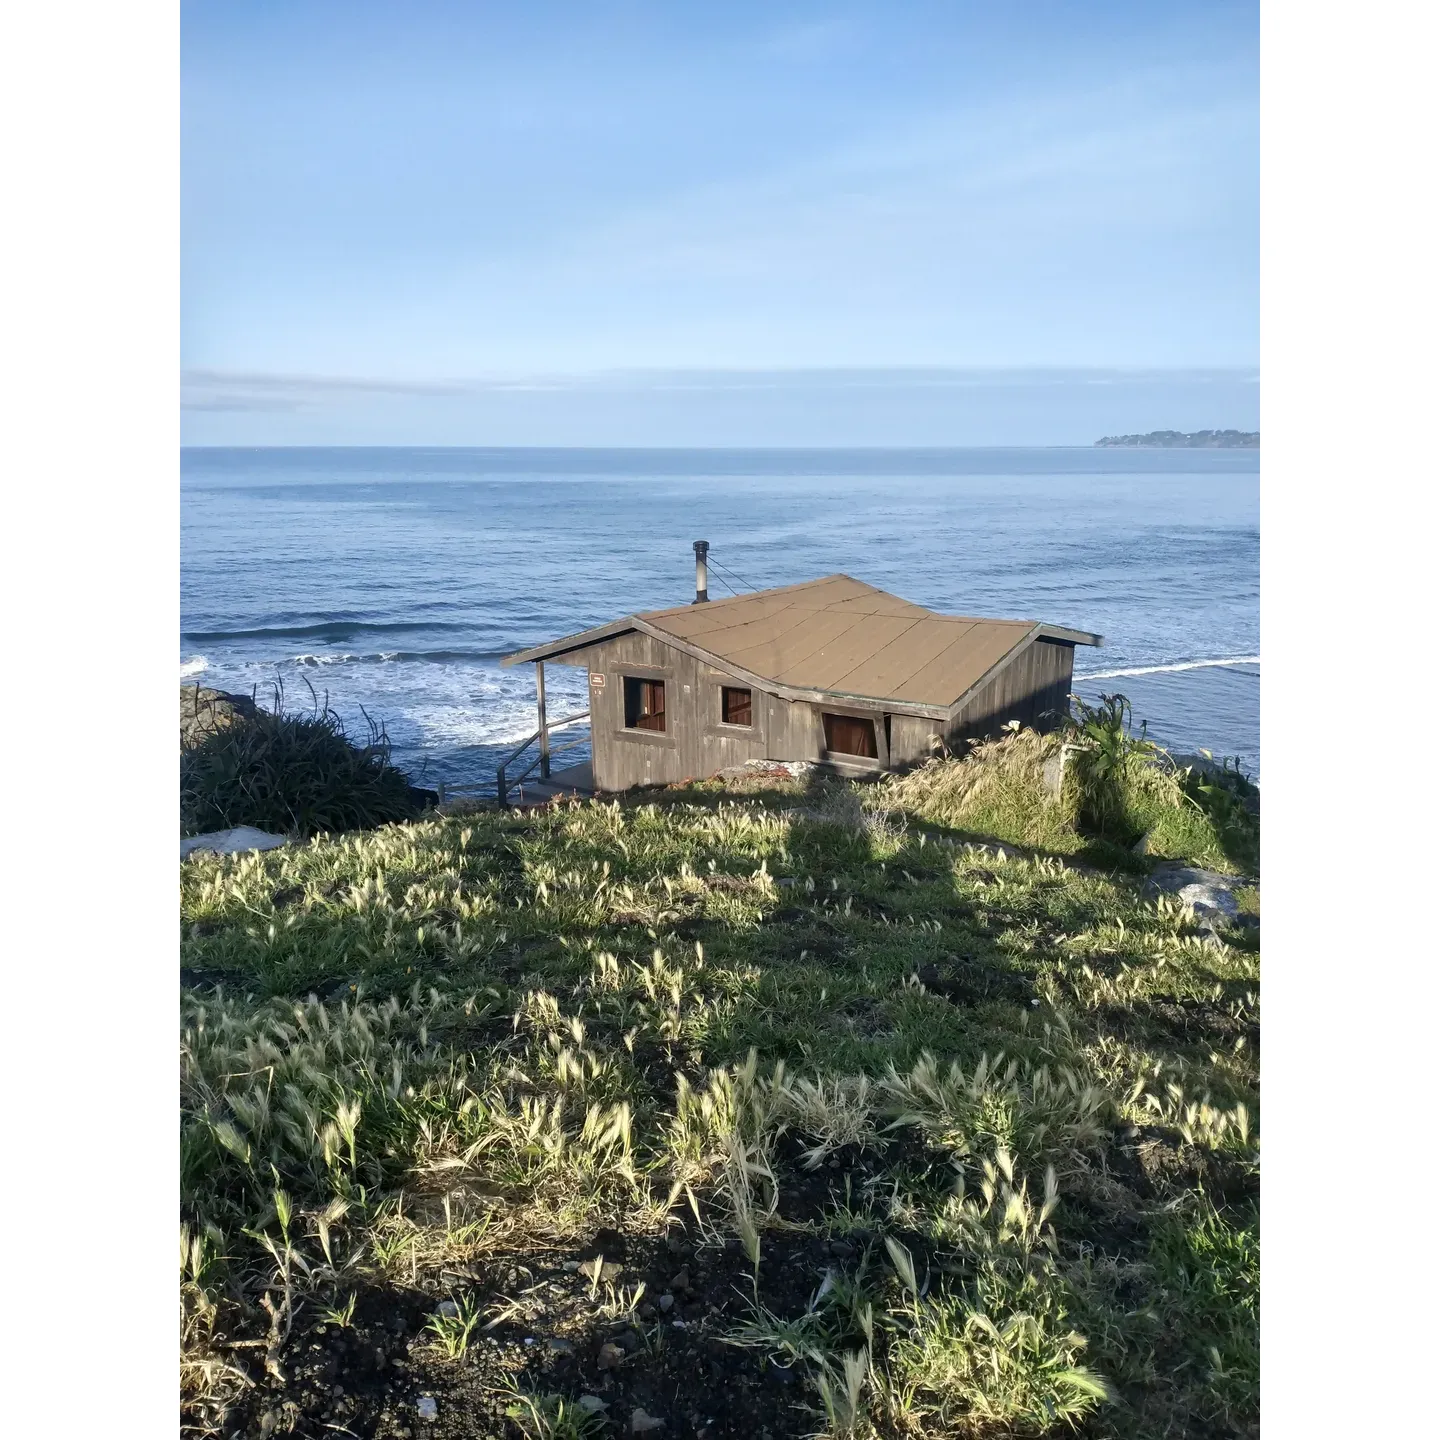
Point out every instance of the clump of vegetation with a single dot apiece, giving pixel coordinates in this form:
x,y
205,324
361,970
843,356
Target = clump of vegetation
x,y
293,773
1110,763
1230,801
998,789
1093,788
777,1110
1128,788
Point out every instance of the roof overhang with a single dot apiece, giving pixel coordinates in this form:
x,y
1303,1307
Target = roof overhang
x,y
554,649
1071,637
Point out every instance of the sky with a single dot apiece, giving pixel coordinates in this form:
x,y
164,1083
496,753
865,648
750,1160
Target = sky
x,y
700,224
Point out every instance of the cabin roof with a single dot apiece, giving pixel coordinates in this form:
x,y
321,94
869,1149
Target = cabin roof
x,y
836,636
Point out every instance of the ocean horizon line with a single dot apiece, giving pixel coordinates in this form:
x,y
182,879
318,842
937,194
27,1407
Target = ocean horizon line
x,y
726,449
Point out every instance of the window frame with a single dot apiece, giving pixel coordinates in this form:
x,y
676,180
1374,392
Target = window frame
x,y
877,719
631,677
713,685
736,724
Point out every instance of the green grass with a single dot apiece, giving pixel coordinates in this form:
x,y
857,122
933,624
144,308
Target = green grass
x,y
1207,1267
1025,1092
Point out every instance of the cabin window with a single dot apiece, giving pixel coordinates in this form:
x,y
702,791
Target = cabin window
x,y
735,706
644,704
850,735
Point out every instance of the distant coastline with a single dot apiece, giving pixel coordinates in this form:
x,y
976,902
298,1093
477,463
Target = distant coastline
x,y
1181,440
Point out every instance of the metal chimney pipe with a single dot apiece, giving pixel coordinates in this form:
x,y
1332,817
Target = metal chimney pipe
x,y
702,579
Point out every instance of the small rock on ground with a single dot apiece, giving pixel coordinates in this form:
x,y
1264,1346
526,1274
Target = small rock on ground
x,y
643,1424
599,1268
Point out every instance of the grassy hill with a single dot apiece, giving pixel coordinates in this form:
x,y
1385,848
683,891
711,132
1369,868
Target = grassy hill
x,y
776,1108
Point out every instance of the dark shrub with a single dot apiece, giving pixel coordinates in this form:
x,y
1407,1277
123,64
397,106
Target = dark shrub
x,y
291,773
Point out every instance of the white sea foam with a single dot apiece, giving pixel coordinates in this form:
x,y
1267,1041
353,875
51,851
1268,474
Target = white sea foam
x,y
495,707
1168,669
193,666
454,725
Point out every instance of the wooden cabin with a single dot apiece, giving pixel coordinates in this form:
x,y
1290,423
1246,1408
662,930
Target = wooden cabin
x,y
831,671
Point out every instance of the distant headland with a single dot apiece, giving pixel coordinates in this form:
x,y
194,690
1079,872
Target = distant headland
x,y
1196,440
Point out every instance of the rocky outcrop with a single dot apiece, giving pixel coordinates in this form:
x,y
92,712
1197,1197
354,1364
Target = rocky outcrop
x,y
203,712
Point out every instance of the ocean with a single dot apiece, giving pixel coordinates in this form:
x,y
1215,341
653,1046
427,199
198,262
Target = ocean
x,y
390,582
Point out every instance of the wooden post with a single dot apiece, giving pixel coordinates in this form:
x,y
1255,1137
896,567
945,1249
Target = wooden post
x,y
544,728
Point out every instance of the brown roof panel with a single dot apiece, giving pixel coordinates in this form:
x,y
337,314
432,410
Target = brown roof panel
x,y
776,614
841,635
884,672
811,594
837,635
824,669
794,653
768,630
961,664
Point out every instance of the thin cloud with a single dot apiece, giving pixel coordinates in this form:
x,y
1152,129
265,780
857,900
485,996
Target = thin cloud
x,y
220,390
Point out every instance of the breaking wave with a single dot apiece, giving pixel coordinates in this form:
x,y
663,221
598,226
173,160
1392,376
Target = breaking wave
x,y
388,657
193,666
1169,669
336,632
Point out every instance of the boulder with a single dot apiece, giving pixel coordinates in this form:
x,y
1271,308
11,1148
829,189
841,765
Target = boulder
x,y
1209,904
1208,895
238,841
203,712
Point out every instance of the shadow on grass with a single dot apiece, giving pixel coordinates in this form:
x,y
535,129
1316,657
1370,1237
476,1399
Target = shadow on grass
x,y
872,900
819,789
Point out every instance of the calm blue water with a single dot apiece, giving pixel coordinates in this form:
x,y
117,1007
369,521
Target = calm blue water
x,y
394,580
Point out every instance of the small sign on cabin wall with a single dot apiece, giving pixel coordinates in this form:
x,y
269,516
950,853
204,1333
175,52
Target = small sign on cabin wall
x,y
597,682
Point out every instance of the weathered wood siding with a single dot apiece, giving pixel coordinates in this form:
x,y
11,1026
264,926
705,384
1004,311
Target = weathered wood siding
x,y
1034,688
696,743
911,739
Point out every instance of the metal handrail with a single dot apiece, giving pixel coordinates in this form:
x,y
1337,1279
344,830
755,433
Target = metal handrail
x,y
502,785
539,759
554,725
